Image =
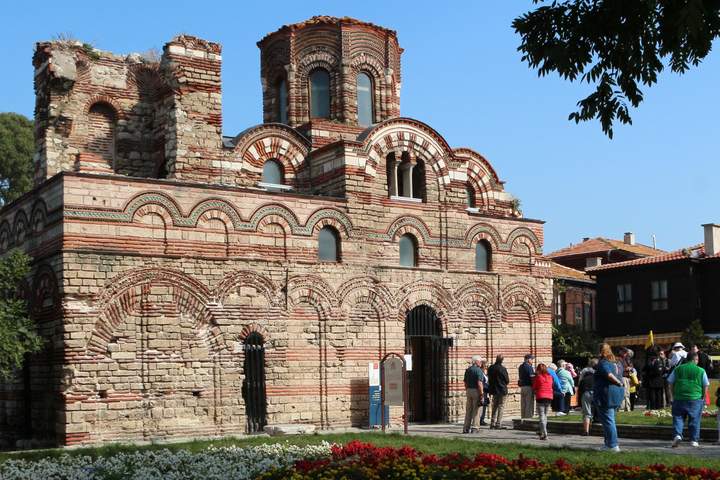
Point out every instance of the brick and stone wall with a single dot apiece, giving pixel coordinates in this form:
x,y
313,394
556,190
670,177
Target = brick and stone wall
x,y
146,287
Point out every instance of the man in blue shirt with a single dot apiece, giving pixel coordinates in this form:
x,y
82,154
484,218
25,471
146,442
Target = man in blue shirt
x,y
526,372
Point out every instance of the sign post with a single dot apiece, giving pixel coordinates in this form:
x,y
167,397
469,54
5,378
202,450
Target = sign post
x,y
393,386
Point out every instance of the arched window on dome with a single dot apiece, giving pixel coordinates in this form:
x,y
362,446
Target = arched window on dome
x,y
328,245
365,100
483,256
272,173
319,94
406,178
281,98
408,251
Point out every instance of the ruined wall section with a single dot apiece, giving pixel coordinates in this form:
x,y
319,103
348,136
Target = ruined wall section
x,y
97,112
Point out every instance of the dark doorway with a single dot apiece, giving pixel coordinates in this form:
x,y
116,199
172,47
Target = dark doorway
x,y
253,389
427,382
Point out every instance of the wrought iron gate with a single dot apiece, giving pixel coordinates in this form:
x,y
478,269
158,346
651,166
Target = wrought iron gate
x,y
427,382
253,389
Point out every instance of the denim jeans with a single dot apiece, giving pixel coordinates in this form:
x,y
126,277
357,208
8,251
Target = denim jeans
x,y
693,410
559,402
607,418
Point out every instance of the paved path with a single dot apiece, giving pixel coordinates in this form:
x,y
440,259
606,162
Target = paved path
x,y
561,441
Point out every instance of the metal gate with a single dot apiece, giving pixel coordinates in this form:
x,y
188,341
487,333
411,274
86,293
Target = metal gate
x,y
253,388
427,382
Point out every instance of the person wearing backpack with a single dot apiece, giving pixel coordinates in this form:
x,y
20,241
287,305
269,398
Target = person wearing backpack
x,y
608,394
585,392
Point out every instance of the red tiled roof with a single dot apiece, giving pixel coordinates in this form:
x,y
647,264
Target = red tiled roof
x,y
563,272
600,244
696,251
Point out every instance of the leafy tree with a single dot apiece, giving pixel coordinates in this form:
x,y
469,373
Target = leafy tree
x,y
16,152
616,45
573,341
17,332
694,335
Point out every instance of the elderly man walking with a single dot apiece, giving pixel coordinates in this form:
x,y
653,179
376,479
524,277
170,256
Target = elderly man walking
x,y
498,380
689,383
526,372
474,378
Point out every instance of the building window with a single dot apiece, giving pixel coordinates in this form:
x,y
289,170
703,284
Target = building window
x,y
482,256
328,245
101,133
272,173
320,94
364,100
408,251
470,196
659,294
559,308
281,96
406,178
578,316
624,297
588,322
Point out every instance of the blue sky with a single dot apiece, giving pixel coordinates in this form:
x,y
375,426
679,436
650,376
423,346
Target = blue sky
x,y
463,76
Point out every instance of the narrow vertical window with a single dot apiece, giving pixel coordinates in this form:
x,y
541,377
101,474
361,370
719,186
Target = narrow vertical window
x,y
470,196
659,294
272,172
281,96
364,100
319,94
408,251
482,256
328,245
101,133
624,297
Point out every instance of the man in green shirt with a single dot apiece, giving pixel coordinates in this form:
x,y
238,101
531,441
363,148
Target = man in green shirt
x,y
689,383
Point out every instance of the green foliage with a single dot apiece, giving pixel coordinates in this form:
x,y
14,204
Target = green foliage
x,y
573,341
616,45
16,152
17,332
90,51
694,335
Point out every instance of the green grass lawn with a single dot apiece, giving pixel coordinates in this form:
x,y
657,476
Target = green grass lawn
x,y
636,418
424,444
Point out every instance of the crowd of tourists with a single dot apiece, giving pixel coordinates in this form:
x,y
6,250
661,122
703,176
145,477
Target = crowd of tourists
x,y
609,383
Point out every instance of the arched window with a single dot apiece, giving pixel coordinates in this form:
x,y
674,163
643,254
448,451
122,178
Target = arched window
x,y
272,172
328,245
281,97
483,254
408,251
364,100
470,196
101,132
319,94
406,178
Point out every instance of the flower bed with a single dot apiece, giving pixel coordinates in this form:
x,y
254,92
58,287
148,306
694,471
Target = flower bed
x,y
358,460
229,463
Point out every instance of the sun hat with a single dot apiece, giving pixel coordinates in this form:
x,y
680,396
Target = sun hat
x,y
678,345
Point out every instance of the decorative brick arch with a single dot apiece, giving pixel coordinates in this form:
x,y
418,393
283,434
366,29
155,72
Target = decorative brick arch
x,y
409,224
313,58
264,285
427,293
313,290
523,295
154,209
276,141
525,233
21,227
144,199
329,216
484,231
45,290
38,216
6,240
276,211
127,294
363,62
367,287
253,328
405,134
104,100
478,293
215,208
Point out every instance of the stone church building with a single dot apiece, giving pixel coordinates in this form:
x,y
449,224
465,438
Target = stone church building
x,y
192,284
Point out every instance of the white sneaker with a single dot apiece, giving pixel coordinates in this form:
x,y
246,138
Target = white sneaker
x,y
560,414
676,441
694,444
610,449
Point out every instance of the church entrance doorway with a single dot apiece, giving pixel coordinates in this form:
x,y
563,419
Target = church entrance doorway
x,y
253,388
427,381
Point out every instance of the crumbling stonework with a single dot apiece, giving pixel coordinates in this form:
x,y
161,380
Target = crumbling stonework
x,y
159,250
